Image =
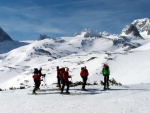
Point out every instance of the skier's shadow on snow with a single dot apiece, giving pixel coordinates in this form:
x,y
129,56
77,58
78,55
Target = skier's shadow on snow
x,y
128,89
88,89
72,92
87,92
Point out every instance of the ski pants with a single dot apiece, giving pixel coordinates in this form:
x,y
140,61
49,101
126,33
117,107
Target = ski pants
x,y
58,81
84,81
37,85
65,83
106,81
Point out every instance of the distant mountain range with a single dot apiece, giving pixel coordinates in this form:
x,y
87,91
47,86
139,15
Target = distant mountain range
x,y
88,47
136,28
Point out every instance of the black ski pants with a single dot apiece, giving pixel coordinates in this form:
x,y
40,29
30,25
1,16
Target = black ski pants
x,y
84,82
106,81
58,81
37,85
67,84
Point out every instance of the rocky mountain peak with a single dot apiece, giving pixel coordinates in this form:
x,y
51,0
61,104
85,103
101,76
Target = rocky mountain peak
x,y
88,33
4,36
132,30
143,25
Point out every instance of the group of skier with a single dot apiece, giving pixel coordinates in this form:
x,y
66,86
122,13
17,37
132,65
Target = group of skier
x,y
63,78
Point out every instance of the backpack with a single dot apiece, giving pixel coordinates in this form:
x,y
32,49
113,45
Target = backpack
x,y
61,71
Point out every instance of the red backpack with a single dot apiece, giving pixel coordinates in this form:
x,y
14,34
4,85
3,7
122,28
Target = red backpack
x,y
61,71
36,77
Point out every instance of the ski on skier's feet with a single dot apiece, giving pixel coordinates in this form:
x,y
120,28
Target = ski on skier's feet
x,y
32,93
82,90
105,89
66,93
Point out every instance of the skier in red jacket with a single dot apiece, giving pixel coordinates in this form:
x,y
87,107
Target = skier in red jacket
x,y
84,74
37,81
65,81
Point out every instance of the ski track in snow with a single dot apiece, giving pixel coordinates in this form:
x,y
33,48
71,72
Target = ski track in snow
x,y
118,99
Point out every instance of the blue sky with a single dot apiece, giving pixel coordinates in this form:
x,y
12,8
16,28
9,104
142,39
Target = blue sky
x,y
27,19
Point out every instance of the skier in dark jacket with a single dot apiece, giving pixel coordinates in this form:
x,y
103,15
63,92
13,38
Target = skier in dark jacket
x,y
58,78
106,73
84,74
65,81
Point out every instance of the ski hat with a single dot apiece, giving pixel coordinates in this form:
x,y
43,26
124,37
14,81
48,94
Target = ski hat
x,y
82,68
40,68
66,69
104,65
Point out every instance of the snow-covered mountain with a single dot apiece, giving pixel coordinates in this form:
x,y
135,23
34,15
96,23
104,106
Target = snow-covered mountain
x,y
7,43
126,54
143,25
73,52
87,48
132,32
138,28
88,33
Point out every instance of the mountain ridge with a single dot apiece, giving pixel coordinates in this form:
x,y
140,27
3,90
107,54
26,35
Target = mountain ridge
x,y
16,66
4,36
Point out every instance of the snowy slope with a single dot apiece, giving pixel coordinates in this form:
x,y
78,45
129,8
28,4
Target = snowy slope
x,y
122,99
73,52
131,68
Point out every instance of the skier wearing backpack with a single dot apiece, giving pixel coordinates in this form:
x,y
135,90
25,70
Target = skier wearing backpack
x,y
61,71
84,75
58,78
37,81
106,73
65,81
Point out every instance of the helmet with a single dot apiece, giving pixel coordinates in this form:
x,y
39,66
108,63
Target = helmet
x,y
40,68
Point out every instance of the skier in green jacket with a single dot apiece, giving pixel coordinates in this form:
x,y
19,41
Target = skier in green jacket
x,y
106,73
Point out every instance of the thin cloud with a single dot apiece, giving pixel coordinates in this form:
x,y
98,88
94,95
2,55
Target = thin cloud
x,y
67,17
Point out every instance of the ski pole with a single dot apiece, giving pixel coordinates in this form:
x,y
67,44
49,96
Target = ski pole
x,y
45,83
72,82
92,86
